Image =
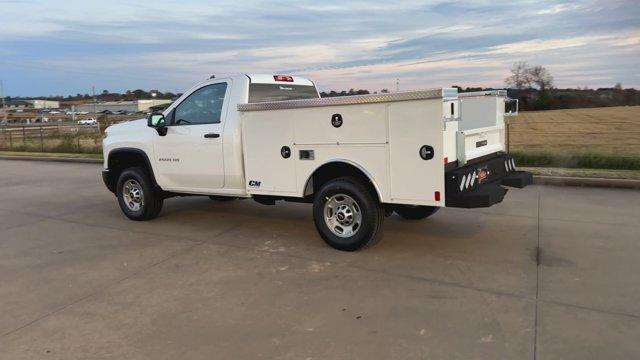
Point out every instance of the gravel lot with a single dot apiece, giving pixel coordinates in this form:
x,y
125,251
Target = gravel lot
x,y
552,272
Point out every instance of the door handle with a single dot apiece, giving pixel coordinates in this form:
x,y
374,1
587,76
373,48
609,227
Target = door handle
x,y
211,135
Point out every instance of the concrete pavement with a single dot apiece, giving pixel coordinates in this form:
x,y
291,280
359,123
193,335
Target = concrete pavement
x,y
550,273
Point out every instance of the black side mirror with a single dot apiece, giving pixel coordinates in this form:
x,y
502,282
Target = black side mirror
x,y
158,122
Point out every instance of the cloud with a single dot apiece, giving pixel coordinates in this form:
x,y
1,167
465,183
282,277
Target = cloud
x,y
119,44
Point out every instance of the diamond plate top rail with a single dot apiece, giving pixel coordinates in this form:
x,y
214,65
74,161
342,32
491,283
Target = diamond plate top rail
x,y
352,100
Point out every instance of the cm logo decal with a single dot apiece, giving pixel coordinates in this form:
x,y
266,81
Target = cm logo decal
x,y
254,183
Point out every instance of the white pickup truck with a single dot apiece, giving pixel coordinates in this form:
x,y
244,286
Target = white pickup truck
x,y
357,159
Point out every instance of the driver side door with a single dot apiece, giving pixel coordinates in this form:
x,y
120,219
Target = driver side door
x,y
189,158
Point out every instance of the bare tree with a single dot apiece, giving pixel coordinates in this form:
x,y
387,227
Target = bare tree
x,y
540,76
520,77
525,76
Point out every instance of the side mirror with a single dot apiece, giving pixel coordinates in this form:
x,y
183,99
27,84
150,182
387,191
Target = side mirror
x,y
158,122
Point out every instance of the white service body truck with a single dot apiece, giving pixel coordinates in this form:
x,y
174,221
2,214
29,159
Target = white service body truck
x,y
357,159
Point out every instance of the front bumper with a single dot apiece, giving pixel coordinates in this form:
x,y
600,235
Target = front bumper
x,y
481,184
108,181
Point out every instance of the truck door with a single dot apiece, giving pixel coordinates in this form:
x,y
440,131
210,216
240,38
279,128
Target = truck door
x,y
190,157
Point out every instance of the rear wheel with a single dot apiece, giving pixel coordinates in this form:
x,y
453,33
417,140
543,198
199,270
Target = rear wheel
x,y
347,215
136,195
411,212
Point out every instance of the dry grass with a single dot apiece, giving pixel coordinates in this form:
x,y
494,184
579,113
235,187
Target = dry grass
x,y
606,131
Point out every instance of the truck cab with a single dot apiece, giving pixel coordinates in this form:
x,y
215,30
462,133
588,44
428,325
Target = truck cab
x,y
357,158
200,152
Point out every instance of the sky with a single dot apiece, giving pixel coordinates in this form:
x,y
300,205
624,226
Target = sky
x,y
65,47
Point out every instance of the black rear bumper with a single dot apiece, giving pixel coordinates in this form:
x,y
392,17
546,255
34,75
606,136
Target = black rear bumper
x,y
481,184
518,179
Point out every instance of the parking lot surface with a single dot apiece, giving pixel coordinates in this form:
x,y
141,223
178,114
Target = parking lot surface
x,y
550,273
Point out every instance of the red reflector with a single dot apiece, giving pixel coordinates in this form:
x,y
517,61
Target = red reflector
x,y
286,78
446,160
436,195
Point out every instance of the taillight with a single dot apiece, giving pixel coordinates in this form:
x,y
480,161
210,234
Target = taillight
x,y
286,78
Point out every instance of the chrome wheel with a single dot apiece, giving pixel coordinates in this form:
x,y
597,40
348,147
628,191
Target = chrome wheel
x,y
132,195
342,215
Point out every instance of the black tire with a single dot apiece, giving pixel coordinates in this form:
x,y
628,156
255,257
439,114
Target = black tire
x,y
151,203
371,214
411,212
221,198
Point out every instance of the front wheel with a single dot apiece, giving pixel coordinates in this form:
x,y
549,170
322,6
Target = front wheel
x,y
347,215
411,212
136,195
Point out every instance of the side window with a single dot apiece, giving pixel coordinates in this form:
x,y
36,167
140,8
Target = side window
x,y
203,106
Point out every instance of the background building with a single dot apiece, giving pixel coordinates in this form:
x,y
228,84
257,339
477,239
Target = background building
x,y
44,104
17,104
113,106
32,104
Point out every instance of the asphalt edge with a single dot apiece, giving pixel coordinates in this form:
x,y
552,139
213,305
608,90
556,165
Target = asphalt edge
x,y
52,159
537,179
587,182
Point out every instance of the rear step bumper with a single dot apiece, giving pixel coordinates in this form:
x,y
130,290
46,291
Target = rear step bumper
x,y
484,196
481,184
518,179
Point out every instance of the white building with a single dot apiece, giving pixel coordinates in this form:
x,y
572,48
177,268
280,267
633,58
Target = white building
x,y
44,104
113,106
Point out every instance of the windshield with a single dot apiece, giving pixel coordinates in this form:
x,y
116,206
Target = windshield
x,y
279,92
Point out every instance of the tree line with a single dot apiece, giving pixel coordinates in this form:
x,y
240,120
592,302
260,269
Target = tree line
x,y
532,85
106,95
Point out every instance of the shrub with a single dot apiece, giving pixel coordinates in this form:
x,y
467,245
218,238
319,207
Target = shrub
x,y
586,161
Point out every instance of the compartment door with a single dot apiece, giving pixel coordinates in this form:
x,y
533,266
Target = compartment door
x,y
476,143
416,130
269,169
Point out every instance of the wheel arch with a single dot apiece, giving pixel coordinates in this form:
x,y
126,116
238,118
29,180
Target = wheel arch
x,y
122,158
335,168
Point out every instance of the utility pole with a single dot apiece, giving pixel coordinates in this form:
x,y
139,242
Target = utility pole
x,y
95,111
4,110
397,85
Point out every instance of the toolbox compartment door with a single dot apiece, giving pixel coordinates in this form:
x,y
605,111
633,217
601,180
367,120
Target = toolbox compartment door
x,y
475,143
481,125
412,126
269,168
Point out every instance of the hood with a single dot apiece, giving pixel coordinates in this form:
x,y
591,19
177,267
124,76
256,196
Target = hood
x,y
127,126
